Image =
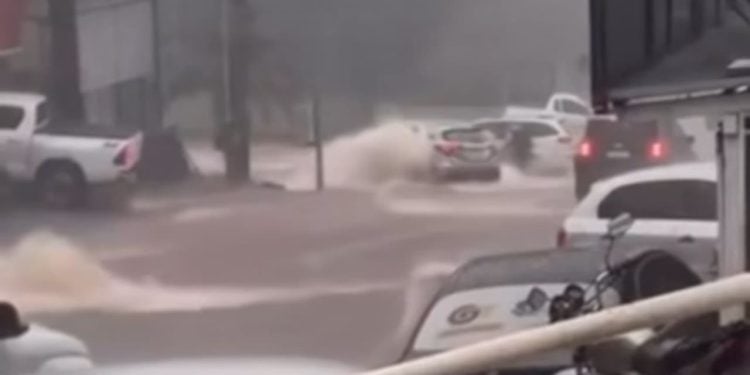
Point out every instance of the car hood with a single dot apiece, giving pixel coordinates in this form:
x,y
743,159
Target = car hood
x,y
230,366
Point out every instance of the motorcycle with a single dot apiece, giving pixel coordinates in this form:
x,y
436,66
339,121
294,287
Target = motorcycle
x,y
697,346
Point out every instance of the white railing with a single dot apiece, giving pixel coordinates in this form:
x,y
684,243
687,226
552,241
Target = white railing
x,y
643,314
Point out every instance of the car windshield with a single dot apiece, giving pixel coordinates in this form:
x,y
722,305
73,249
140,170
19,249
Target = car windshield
x,y
613,131
221,180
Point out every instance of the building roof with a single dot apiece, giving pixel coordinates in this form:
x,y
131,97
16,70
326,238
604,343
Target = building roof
x,y
683,171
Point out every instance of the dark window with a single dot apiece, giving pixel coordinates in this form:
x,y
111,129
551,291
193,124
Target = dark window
x,y
574,108
533,129
10,117
42,114
665,200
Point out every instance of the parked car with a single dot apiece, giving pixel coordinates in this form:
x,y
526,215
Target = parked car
x,y
671,204
551,143
462,152
567,109
65,163
611,146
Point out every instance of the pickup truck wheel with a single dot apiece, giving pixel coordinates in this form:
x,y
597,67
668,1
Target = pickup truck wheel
x,y
62,187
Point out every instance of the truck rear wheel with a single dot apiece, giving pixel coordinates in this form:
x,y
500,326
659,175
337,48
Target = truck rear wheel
x,y
61,186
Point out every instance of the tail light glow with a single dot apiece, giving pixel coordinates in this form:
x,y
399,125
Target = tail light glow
x,y
657,150
448,148
585,149
129,154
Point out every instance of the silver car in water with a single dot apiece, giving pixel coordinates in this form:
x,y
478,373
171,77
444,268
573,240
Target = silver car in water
x,y
463,152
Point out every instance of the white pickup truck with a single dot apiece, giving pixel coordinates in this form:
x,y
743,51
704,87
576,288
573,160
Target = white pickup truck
x,y
566,109
64,164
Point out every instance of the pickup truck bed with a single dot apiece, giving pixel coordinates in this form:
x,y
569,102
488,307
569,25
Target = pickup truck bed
x,y
88,131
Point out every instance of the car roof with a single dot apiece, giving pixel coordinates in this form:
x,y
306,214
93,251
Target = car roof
x,y
685,171
20,98
544,120
551,122
485,120
682,171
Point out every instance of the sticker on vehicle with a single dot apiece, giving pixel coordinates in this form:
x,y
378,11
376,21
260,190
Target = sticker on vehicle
x,y
464,315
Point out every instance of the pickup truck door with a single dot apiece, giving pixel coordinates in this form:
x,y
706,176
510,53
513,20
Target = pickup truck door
x,y
13,142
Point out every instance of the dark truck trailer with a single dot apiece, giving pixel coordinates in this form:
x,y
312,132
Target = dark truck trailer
x,y
650,58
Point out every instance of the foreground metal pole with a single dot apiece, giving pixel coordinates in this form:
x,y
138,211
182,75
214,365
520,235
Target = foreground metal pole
x,y
730,142
648,313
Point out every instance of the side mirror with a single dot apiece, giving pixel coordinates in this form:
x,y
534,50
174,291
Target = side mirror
x,y
11,325
620,225
690,139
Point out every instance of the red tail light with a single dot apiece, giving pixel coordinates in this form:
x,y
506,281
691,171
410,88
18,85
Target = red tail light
x,y
128,156
657,150
562,238
585,149
448,148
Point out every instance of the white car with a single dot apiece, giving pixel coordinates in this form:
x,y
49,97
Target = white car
x,y
567,109
64,163
553,144
671,204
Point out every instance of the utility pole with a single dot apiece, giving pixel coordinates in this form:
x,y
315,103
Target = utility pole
x,y
234,134
65,89
318,139
733,159
158,109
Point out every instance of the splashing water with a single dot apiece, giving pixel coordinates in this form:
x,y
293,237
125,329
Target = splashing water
x,y
369,159
45,272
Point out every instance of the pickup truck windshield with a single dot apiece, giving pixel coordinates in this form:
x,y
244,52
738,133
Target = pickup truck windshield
x,y
10,117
